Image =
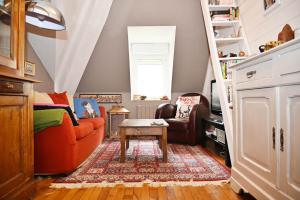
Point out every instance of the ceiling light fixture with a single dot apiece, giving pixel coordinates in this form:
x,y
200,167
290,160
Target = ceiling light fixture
x,y
40,13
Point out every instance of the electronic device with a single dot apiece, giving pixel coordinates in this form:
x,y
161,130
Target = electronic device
x,y
215,105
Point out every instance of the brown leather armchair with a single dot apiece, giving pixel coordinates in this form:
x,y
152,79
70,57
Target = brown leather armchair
x,y
184,130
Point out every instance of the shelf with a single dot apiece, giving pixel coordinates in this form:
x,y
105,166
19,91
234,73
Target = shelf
x,y
226,23
232,58
220,7
227,80
222,41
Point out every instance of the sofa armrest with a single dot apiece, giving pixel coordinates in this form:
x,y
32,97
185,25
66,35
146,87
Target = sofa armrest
x,y
102,111
199,111
165,111
54,147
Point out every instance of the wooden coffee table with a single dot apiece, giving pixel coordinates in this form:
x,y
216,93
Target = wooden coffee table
x,y
143,127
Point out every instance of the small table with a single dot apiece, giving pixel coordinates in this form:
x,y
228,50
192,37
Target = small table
x,y
143,127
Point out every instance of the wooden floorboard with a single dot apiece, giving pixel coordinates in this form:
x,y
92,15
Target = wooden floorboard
x,y
209,192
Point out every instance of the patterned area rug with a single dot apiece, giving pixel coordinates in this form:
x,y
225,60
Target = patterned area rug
x,y
187,165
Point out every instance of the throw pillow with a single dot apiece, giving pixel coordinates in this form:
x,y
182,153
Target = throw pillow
x,y
42,97
59,98
86,108
185,105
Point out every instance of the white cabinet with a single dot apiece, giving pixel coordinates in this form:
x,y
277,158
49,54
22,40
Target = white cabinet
x,y
267,124
290,140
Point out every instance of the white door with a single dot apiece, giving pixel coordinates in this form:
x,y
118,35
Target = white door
x,y
255,139
290,140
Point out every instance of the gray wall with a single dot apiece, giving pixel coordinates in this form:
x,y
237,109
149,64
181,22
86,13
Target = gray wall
x,y
41,74
108,68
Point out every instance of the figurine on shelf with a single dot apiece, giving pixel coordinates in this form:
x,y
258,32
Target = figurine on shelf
x,y
286,34
242,53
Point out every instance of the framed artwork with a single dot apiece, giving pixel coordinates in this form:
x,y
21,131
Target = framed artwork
x,y
269,5
103,98
29,68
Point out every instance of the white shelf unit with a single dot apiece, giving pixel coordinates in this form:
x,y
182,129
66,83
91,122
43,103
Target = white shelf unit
x,y
220,7
232,58
226,23
226,36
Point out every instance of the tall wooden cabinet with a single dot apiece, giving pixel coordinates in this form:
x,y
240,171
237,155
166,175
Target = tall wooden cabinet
x,y
16,121
266,124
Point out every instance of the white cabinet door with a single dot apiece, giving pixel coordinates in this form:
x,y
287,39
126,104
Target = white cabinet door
x,y
255,135
290,139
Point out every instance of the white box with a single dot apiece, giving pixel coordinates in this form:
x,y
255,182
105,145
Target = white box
x,y
220,135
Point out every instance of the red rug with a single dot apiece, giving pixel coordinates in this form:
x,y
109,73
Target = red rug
x,y
187,165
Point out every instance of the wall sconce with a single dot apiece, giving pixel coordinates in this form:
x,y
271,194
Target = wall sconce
x,y
40,13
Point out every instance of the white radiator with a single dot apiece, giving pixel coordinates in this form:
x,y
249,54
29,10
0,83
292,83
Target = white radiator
x,y
146,111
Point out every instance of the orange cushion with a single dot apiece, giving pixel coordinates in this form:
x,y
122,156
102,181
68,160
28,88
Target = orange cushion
x,y
97,122
59,98
84,129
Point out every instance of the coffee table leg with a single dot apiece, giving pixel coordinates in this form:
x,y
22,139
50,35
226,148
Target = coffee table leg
x,y
164,144
122,140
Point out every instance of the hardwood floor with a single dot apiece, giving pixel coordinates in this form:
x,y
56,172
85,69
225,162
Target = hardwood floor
x,y
209,192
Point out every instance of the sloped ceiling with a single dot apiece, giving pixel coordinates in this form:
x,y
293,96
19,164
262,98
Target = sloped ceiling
x,y
108,67
66,53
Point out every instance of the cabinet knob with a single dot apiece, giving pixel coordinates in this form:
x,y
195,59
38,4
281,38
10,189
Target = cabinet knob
x,y
250,74
281,140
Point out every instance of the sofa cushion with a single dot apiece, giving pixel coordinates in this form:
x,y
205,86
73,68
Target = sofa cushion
x,y
97,122
178,124
84,129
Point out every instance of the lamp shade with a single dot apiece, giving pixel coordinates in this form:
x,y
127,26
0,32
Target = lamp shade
x,y
42,14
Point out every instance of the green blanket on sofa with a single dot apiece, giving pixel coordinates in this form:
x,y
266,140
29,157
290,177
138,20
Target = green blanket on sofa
x,y
47,118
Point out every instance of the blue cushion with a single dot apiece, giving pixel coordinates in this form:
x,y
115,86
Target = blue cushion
x,y
86,108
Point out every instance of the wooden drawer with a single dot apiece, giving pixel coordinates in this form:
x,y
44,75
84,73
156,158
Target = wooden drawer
x,y
255,71
288,66
143,131
8,86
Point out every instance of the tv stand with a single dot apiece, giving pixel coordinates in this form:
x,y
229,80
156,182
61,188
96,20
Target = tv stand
x,y
214,137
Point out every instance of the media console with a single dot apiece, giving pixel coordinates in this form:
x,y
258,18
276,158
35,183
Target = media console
x,y
214,138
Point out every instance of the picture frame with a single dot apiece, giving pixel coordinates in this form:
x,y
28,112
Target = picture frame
x,y
104,98
29,68
270,5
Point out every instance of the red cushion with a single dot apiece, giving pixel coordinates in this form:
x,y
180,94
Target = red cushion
x,y
84,129
97,122
59,98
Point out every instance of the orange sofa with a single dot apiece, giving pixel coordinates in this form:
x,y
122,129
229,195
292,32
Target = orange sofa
x,y
61,149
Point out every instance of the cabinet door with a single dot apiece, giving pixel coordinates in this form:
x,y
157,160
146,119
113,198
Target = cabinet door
x,y
12,13
290,139
254,139
16,160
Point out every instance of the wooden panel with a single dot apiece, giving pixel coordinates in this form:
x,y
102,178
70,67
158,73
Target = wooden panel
x,y
144,131
256,118
290,157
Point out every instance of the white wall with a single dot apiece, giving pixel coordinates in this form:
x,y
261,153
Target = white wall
x,y
260,27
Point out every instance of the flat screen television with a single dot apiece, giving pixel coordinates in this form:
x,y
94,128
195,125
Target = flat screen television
x,y
215,106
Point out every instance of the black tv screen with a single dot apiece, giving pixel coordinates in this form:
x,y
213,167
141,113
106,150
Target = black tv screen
x,y
215,100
